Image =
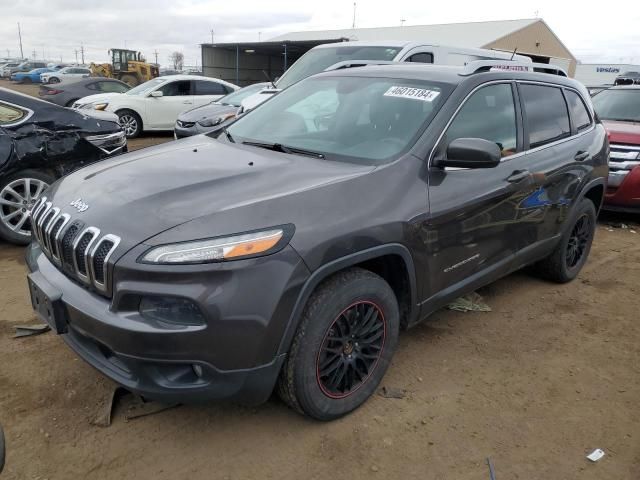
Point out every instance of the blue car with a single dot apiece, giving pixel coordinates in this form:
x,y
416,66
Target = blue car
x,y
32,76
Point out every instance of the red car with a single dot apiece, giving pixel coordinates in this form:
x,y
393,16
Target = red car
x,y
619,110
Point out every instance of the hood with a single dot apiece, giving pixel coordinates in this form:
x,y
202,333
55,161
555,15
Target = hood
x,y
623,132
252,101
141,194
211,110
100,97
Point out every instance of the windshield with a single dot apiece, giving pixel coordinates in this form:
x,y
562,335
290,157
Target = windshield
x,y
146,87
354,119
317,60
622,104
235,98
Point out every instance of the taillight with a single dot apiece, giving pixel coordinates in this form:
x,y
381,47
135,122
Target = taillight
x,y
52,91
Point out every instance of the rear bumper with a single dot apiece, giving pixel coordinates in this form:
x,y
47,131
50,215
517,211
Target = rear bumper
x,y
623,190
218,360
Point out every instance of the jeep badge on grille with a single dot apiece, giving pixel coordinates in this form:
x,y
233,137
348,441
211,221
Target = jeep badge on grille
x,y
79,204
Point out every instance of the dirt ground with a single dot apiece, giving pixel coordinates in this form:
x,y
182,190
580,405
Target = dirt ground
x,y
550,374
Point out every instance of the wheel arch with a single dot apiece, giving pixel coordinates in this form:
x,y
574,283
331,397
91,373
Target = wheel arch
x,y
592,191
393,262
131,109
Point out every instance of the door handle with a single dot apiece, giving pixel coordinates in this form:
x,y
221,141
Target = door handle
x,y
581,155
518,176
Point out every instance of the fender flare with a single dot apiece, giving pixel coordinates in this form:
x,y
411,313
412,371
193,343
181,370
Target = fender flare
x,y
583,193
341,263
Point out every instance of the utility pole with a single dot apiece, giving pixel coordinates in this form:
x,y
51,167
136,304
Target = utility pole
x,y
82,53
76,50
402,20
155,52
43,56
353,25
34,53
20,37
212,36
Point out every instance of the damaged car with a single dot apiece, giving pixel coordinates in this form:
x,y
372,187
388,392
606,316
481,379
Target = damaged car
x,y
39,143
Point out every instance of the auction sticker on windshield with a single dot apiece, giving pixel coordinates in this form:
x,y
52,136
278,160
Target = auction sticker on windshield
x,y
423,94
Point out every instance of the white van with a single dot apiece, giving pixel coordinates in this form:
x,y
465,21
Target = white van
x,y
331,56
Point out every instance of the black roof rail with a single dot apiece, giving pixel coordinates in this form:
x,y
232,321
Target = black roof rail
x,y
479,66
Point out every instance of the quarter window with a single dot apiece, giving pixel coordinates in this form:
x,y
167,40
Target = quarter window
x,y
489,114
546,114
579,112
10,114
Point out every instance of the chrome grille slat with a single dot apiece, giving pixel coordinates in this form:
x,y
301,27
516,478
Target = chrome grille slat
x,y
78,250
93,233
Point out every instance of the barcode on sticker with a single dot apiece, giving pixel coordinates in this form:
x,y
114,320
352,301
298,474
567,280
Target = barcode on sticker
x,y
423,94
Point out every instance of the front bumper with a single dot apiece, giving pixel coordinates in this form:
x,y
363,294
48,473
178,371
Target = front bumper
x,y
623,190
234,356
195,129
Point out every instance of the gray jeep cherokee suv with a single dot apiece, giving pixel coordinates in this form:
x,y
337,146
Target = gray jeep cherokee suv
x,y
292,247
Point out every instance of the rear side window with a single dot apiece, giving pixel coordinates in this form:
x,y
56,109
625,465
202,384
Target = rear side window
x,y
489,114
10,114
546,114
112,87
423,57
579,112
209,88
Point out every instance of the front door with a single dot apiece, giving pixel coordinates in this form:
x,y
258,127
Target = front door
x,y
163,111
475,215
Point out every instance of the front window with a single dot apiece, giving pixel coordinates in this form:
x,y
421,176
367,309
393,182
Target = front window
x,y
146,87
317,60
354,119
618,104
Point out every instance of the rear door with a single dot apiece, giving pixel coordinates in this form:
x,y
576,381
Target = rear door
x,y
162,112
206,92
476,220
555,157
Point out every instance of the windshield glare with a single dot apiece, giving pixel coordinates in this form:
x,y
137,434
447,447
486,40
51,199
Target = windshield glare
x,y
316,61
623,104
354,119
235,98
146,87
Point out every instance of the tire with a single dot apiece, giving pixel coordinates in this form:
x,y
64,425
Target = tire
x,y
130,79
130,122
54,80
27,81
318,377
70,103
11,228
570,255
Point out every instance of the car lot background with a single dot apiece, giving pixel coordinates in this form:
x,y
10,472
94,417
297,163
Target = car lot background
x,y
549,375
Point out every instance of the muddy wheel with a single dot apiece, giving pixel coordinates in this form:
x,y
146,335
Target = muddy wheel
x,y
343,345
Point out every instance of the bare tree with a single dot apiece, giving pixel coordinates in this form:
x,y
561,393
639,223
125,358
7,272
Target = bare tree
x,y
177,59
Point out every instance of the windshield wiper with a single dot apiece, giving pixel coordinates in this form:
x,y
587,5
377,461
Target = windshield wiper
x,y
278,147
228,135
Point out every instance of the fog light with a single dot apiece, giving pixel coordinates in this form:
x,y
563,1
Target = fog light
x,y
173,310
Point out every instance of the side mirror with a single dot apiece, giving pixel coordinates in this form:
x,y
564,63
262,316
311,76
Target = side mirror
x,y
471,153
156,94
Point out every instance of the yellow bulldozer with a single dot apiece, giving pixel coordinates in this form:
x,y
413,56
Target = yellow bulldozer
x,y
126,65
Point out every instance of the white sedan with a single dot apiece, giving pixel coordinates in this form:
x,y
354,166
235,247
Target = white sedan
x,y
156,104
65,74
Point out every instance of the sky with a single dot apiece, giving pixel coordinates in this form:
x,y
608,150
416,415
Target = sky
x,y
55,29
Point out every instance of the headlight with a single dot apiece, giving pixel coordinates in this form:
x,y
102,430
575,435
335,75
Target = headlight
x,y
212,122
220,249
100,106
